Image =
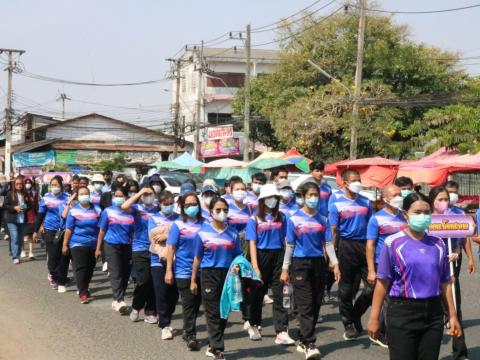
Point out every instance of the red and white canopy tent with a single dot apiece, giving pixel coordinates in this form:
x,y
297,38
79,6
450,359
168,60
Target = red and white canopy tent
x,y
435,169
374,172
432,170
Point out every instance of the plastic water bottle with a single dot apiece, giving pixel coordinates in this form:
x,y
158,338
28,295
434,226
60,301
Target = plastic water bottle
x,y
237,286
287,296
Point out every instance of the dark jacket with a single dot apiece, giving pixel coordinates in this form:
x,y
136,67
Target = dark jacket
x,y
11,215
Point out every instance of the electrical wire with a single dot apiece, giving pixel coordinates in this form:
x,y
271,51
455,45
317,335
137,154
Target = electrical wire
x,y
70,82
274,24
315,23
418,12
296,20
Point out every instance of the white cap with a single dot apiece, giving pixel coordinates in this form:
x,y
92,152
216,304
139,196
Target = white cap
x,y
268,190
98,178
152,171
209,182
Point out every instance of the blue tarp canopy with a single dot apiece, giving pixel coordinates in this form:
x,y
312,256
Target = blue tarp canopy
x,y
183,162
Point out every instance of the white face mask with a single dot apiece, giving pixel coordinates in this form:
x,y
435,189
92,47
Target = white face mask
x,y
29,186
355,187
148,200
286,194
239,195
221,217
453,198
396,202
157,188
271,203
256,188
207,200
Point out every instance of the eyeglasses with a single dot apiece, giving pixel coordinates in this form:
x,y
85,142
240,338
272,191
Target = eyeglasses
x,y
218,211
186,206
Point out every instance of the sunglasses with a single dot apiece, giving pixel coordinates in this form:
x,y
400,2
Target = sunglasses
x,y
218,211
186,206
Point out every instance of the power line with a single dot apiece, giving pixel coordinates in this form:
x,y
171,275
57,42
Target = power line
x,y
315,23
288,17
296,20
254,30
419,12
70,82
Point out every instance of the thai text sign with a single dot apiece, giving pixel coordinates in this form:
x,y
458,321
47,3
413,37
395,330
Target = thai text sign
x,y
31,159
452,226
74,157
216,148
223,132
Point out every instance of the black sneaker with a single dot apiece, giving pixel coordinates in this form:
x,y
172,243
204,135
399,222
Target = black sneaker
x,y
350,333
381,340
358,326
219,355
192,344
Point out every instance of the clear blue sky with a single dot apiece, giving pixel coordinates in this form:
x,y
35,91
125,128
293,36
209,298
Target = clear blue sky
x,y
124,40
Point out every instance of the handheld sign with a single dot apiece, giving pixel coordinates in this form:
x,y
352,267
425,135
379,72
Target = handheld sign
x,y
452,226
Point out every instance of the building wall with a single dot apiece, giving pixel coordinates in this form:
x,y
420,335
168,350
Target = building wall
x,y
189,90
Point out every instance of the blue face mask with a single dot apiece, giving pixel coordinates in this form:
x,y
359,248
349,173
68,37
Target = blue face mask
x,y
167,209
312,202
118,201
192,211
84,199
419,223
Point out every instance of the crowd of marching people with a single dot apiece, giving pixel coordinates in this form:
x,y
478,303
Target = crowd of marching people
x,y
231,251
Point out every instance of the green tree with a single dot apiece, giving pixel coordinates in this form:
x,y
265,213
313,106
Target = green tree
x,y
454,126
119,162
310,112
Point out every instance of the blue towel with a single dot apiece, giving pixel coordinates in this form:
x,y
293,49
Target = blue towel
x,y
227,302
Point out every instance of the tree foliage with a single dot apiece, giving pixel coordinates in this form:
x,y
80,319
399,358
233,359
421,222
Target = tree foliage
x,y
119,162
310,112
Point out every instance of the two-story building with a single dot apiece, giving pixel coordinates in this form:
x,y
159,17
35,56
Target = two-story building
x,y
223,73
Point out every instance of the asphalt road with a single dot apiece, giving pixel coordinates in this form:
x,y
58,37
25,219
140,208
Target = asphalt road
x,y
38,323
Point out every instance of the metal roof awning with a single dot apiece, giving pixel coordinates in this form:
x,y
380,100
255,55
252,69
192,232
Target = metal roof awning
x,y
30,146
34,145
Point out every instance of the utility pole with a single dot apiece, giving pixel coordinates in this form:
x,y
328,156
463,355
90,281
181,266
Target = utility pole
x,y
246,116
358,78
62,98
177,108
199,104
9,110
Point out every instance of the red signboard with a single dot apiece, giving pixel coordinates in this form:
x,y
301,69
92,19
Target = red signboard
x,y
223,147
223,132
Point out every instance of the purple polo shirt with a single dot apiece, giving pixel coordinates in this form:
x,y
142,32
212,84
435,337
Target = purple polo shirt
x,y
416,268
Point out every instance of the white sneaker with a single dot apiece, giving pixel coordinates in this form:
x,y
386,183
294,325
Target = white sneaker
x,y
62,289
115,305
312,352
284,339
209,352
150,319
135,315
167,333
120,307
246,326
123,308
254,334
301,348
105,267
23,254
267,299
16,261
